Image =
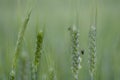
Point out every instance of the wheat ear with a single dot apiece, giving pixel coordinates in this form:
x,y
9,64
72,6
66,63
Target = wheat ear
x,y
36,61
18,46
92,50
76,59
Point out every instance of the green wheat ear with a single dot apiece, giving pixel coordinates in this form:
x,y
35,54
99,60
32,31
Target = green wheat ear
x,y
92,44
36,61
76,59
92,49
18,46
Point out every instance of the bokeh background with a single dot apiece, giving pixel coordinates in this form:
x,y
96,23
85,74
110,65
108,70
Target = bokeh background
x,y
57,16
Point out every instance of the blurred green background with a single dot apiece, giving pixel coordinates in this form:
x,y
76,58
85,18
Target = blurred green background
x,y
57,16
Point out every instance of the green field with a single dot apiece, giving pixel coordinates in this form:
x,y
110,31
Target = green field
x,y
54,17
